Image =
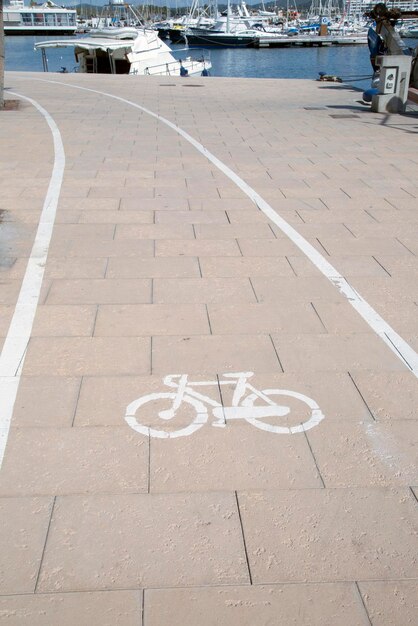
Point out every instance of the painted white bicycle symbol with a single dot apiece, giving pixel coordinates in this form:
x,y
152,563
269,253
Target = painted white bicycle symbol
x,y
242,406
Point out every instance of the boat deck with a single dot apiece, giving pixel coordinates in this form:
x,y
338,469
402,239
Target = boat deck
x,y
156,228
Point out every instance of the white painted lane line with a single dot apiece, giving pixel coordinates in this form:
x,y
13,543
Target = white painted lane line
x,y
397,345
13,353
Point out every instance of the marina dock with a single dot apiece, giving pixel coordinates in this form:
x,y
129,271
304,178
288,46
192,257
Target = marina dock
x,y
208,376
307,41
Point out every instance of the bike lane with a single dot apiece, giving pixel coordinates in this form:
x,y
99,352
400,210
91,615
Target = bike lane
x,y
157,273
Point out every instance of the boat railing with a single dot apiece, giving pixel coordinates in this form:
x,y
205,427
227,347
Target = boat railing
x,y
172,65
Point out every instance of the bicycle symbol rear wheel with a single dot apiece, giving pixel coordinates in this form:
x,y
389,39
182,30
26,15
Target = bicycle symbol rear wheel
x,y
200,418
315,417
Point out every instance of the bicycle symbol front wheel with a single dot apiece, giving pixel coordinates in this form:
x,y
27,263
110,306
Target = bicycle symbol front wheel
x,y
199,410
315,413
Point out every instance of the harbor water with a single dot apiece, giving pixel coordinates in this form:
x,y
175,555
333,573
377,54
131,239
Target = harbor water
x,y
349,62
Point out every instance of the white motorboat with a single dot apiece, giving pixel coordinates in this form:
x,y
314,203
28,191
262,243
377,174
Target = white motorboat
x,y
127,51
43,19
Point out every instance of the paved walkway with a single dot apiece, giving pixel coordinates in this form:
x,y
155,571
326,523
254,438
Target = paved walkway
x,y
292,506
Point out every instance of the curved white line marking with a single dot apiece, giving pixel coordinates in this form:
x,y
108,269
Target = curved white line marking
x,y
399,346
13,353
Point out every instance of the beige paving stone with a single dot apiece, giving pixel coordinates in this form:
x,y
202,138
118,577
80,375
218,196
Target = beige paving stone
x,y
24,525
238,456
329,215
107,608
191,217
362,454
120,192
153,204
154,231
75,268
102,248
142,540
399,266
273,142
80,356
390,602
64,321
263,318
366,245
227,267
398,229
397,289
28,216
62,232
194,290
9,292
340,317
213,353
197,248
251,216
99,291
238,204
268,247
289,289
43,401
404,204
53,461
234,231
389,396
89,204
165,191
156,267
335,604
6,313
323,535
401,315
312,231
116,217
151,319
335,352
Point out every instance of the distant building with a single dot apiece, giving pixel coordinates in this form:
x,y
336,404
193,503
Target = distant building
x,y
357,8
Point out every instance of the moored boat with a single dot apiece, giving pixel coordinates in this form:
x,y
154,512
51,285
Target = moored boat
x,y
44,19
127,51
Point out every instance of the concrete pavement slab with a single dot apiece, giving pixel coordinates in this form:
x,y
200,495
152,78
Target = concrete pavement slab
x,y
357,453
295,536
390,602
99,291
148,540
108,608
134,320
83,460
46,401
80,356
24,524
190,277
389,396
209,353
305,605
227,459
124,267
196,290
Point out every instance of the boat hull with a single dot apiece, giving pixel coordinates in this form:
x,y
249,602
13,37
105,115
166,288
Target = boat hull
x,y
39,31
221,40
